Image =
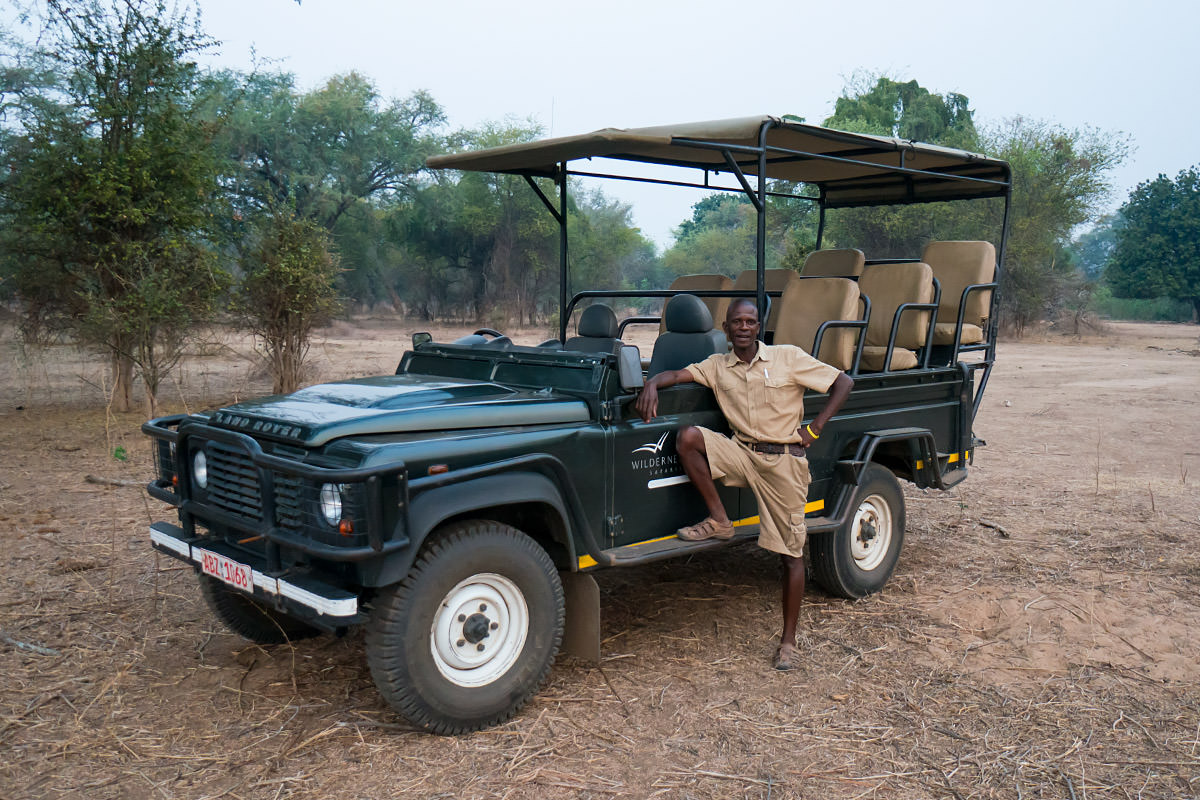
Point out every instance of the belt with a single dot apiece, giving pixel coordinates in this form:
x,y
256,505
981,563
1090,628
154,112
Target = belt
x,y
771,448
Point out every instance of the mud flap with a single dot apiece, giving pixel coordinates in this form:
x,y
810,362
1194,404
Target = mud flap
x,y
581,633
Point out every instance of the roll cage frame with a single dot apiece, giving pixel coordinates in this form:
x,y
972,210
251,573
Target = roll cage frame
x,y
762,162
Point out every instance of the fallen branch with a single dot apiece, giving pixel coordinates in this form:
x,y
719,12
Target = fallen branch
x,y
997,527
33,648
112,481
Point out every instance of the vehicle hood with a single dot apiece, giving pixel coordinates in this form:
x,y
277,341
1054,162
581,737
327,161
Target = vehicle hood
x,y
395,404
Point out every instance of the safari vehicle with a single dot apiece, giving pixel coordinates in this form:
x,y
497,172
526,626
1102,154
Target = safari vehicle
x,y
460,508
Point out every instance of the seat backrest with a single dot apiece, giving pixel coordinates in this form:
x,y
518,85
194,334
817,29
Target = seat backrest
x,y
847,263
597,331
806,304
958,265
889,285
776,280
706,282
689,338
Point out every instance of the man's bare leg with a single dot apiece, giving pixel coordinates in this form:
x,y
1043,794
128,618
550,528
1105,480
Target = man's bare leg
x,y
694,458
793,595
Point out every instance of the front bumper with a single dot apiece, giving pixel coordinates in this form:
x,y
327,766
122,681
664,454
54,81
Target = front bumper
x,y
295,593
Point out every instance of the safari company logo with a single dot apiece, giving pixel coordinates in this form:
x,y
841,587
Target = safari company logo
x,y
657,462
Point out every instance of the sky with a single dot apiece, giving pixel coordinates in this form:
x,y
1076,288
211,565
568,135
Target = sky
x,y
577,66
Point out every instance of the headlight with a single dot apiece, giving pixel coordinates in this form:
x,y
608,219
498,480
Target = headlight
x,y
331,503
200,469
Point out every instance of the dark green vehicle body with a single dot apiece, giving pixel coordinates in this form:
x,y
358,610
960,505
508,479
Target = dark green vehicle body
x,y
342,503
544,439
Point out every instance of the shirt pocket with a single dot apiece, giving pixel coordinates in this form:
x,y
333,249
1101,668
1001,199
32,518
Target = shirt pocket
x,y
782,396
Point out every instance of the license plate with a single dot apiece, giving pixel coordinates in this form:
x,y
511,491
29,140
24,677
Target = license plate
x,y
232,572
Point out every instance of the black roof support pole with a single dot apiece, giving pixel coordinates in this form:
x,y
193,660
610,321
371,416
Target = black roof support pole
x,y
993,331
760,246
820,224
562,252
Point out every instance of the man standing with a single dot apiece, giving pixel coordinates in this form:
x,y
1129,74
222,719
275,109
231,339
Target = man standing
x,y
760,389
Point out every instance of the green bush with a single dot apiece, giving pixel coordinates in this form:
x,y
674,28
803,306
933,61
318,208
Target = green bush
x,y
1159,309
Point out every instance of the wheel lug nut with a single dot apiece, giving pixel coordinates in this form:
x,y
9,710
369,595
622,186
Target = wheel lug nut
x,y
462,617
483,606
461,642
495,625
479,647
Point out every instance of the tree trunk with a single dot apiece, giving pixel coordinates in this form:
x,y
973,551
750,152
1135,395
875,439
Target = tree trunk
x,y
122,376
1196,309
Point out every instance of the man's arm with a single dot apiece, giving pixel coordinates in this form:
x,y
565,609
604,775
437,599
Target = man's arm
x,y
647,402
838,393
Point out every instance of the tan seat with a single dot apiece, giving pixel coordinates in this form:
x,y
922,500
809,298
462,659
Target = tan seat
x,y
706,282
809,302
958,265
890,286
776,280
846,263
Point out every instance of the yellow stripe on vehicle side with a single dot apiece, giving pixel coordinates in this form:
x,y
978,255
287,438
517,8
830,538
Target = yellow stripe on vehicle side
x,y
588,561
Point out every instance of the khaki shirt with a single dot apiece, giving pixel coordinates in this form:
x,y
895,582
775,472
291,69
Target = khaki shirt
x,y
763,401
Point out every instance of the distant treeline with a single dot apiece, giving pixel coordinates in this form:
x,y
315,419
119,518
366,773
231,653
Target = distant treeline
x,y
145,196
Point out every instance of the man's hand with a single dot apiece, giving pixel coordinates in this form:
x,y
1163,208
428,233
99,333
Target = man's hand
x,y
806,438
647,402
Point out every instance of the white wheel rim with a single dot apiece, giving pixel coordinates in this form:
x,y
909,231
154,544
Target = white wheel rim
x,y
873,514
479,630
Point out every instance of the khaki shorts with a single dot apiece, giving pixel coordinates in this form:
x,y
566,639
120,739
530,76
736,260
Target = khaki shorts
x,y
779,482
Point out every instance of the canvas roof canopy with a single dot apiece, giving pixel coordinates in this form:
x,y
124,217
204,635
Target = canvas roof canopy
x,y
849,169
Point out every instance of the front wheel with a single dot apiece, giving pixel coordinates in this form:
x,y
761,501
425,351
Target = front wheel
x,y
468,637
858,558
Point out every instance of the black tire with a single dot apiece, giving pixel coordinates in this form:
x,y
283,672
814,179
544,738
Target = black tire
x,y
252,620
428,636
851,562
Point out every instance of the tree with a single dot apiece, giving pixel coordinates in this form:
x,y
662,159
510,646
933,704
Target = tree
x,y
1157,249
1093,248
326,150
108,204
1060,181
907,110
288,290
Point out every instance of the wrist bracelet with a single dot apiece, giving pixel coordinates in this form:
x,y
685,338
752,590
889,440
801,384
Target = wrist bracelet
x,y
811,432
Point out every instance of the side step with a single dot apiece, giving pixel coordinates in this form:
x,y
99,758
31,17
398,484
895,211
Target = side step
x,y
670,547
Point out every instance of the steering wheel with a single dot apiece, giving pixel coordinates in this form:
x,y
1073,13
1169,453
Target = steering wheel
x,y
488,332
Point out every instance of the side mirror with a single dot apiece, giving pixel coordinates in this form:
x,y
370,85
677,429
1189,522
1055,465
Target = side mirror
x,y
419,339
629,367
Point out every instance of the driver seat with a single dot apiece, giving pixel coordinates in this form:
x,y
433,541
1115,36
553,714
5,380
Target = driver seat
x,y
597,331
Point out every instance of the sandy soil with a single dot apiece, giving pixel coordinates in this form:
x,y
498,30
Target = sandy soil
x,y
1039,638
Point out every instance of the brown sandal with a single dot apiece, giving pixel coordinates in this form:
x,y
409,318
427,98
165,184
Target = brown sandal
x,y
787,657
708,529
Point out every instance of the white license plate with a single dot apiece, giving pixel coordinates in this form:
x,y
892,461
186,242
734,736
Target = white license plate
x,y
232,572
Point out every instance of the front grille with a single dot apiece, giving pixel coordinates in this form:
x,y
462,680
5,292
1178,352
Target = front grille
x,y
233,487
233,482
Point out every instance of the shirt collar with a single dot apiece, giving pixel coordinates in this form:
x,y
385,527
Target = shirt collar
x,y
762,354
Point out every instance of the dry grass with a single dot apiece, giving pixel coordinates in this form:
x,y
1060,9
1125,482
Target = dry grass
x,y
1037,641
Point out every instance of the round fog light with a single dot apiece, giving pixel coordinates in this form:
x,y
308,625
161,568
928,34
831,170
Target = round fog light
x,y
200,469
331,503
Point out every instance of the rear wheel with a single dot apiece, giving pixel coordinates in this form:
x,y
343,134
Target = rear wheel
x,y
248,618
468,637
859,557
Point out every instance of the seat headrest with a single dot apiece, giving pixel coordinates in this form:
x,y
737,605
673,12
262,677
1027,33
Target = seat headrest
x,y
686,313
598,321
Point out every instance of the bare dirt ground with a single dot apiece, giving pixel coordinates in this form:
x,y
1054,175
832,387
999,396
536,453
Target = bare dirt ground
x,y
1041,636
